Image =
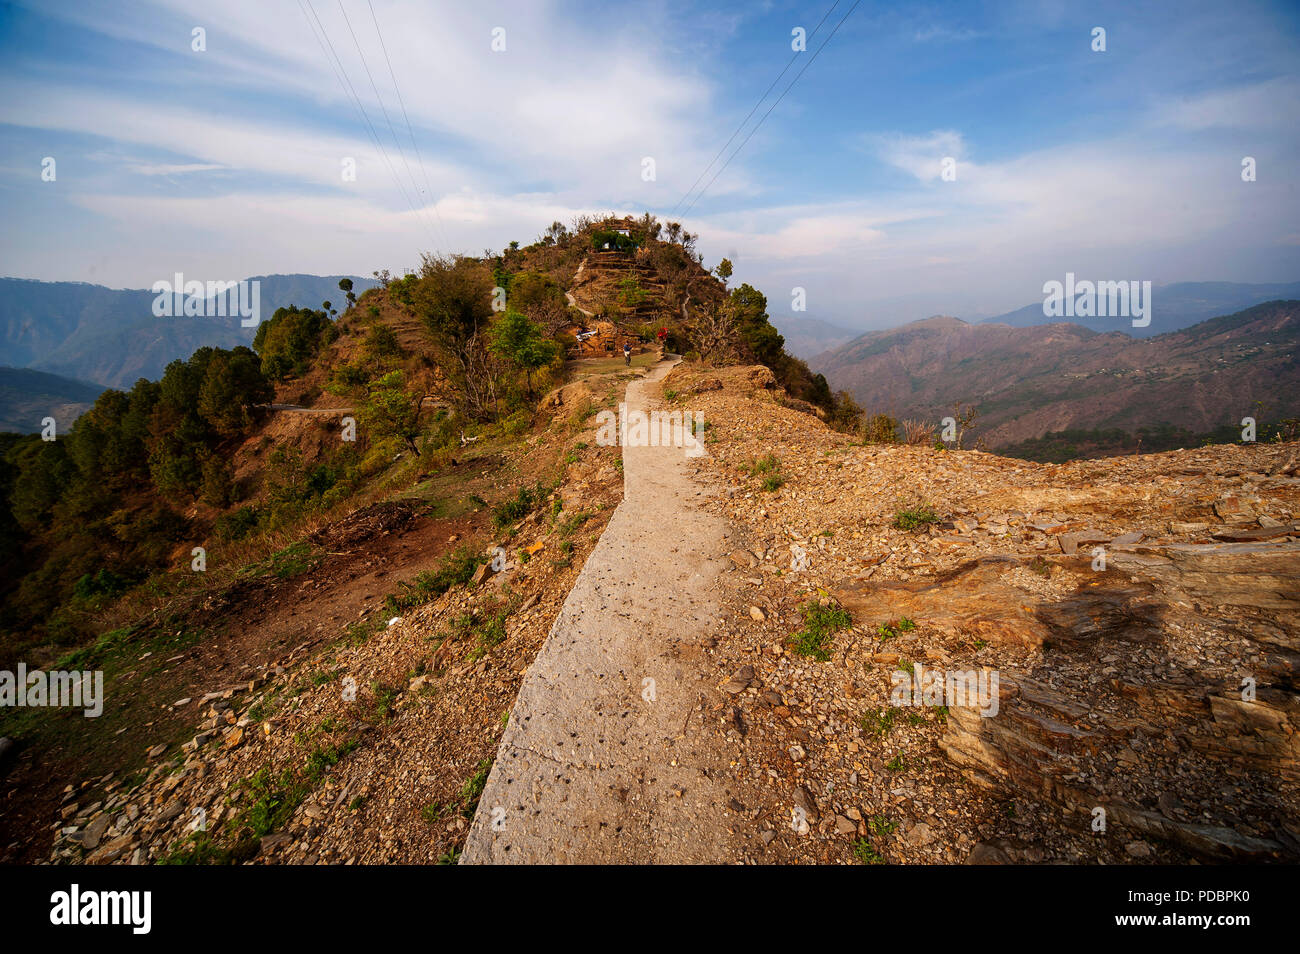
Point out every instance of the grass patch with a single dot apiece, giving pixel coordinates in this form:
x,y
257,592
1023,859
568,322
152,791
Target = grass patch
x,y
322,759
894,628
821,622
525,501
866,853
456,568
916,517
294,560
879,723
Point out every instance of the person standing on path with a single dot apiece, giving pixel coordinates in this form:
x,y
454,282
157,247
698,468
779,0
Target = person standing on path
x,y
627,353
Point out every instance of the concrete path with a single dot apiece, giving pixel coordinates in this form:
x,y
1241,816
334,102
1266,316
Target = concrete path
x,y
590,770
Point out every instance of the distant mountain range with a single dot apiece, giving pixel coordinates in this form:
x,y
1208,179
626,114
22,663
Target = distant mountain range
x,y
808,337
27,397
110,336
1175,306
1027,381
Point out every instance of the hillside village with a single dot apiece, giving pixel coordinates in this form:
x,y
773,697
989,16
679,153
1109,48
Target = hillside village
x,y
359,671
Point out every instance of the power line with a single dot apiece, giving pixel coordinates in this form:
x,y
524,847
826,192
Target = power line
x,y
772,107
345,82
419,159
384,109
705,170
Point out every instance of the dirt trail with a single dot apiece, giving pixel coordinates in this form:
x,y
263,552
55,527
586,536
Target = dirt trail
x,y
591,770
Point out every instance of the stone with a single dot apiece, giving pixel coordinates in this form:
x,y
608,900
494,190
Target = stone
x,y
1232,510
94,832
919,835
757,614
984,854
741,680
1069,542
804,799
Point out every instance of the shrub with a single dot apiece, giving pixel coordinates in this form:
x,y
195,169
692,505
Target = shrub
x,y
919,516
880,429
917,432
821,622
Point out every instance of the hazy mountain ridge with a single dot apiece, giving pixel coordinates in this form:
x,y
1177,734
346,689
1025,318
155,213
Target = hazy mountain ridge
x,y
1174,307
808,337
1028,381
111,337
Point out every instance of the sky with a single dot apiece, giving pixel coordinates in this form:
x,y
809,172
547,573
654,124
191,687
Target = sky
x,y
223,153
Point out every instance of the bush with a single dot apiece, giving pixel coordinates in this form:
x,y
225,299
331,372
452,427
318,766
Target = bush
x,y
914,517
880,429
525,501
456,568
821,622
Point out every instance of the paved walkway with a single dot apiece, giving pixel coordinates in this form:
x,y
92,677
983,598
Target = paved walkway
x,y
589,770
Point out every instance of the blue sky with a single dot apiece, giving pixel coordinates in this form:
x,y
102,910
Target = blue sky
x,y
226,162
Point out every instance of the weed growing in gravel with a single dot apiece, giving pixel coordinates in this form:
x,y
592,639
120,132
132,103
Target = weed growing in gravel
x,y
473,788
768,468
913,518
878,723
866,853
325,757
894,628
569,526
821,622
384,698
897,763
490,633
880,826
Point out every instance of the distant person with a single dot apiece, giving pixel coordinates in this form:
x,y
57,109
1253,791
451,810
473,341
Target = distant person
x,y
627,353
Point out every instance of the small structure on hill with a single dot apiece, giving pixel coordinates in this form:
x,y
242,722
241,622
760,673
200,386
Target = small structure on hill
x,y
600,339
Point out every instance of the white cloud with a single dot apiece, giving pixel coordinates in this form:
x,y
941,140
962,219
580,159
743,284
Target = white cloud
x,y
920,156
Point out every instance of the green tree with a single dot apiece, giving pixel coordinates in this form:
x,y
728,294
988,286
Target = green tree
x,y
232,383
390,410
522,343
749,308
723,271
289,340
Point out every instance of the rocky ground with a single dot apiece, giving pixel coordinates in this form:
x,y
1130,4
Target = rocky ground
x,y
1122,603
